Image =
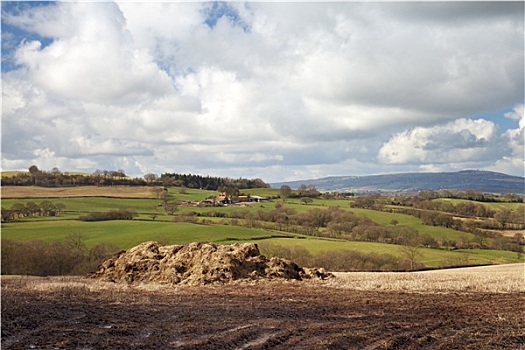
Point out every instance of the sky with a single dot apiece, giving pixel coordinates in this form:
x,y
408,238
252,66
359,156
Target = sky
x,y
271,90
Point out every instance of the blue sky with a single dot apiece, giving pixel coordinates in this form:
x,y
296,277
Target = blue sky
x,y
217,10
280,91
12,35
498,118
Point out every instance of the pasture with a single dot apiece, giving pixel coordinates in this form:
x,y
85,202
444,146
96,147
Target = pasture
x,y
152,223
492,205
125,234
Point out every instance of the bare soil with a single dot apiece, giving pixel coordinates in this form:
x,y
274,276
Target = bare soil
x,y
79,313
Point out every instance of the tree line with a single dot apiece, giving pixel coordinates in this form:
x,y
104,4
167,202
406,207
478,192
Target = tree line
x,y
57,178
69,256
120,214
221,184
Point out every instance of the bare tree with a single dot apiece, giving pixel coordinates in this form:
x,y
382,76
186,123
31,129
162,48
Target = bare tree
x,y
503,217
150,177
411,253
284,192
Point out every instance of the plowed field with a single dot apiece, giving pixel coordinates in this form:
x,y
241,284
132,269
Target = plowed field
x,y
74,313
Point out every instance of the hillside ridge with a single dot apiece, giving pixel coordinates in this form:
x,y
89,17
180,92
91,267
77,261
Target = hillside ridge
x,y
478,180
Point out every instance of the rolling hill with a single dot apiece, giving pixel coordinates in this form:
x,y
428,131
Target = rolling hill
x,y
483,181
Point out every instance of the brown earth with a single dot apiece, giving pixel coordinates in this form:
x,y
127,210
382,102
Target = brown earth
x,y
206,296
78,313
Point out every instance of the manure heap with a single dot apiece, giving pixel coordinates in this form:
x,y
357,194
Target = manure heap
x,y
199,264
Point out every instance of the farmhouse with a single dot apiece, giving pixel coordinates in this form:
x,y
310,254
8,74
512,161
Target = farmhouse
x,y
223,198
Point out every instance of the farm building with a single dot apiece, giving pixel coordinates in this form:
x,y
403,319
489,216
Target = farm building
x,y
223,198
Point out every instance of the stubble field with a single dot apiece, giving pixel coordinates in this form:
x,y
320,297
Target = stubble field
x,y
79,191
478,308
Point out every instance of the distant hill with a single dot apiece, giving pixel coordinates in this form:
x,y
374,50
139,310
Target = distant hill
x,y
483,181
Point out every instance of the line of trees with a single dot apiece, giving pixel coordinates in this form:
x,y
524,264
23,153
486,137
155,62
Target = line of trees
x,y
221,184
120,214
56,178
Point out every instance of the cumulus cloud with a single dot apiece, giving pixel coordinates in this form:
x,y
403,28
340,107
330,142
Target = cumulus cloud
x,y
457,141
518,113
515,140
94,60
272,90
458,144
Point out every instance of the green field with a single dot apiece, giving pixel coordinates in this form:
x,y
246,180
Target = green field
x,y
126,234
493,205
430,257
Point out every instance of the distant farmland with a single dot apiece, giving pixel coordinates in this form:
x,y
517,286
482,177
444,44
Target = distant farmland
x,y
264,223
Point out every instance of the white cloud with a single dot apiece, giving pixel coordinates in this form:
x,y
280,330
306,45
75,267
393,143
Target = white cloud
x,y
305,88
94,60
463,143
514,162
518,113
457,141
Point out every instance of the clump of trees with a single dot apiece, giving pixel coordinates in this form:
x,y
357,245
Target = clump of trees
x,y
30,209
304,192
69,256
120,214
221,184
